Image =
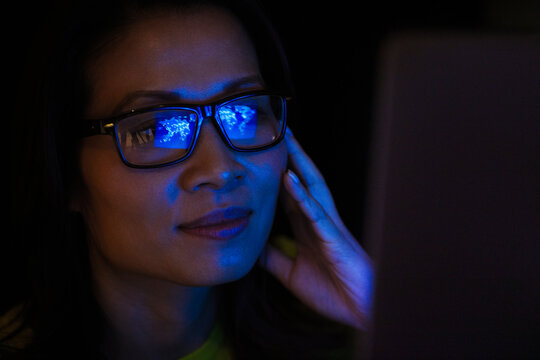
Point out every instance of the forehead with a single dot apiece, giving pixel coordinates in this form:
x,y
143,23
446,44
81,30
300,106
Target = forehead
x,y
192,53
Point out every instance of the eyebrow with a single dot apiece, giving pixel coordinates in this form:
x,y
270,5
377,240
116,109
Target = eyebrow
x,y
172,96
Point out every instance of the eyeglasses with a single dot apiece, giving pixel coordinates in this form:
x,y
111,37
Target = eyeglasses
x,y
164,135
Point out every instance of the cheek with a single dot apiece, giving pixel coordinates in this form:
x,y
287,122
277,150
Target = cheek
x,y
267,172
107,183
267,169
119,204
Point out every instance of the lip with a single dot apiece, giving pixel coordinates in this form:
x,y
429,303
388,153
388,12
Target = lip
x,y
221,224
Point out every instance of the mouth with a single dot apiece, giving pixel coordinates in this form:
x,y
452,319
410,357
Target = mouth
x,y
222,224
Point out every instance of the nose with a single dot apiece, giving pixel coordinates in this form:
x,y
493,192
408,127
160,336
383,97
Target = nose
x,y
212,165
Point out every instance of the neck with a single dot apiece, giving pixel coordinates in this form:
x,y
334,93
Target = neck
x,y
149,318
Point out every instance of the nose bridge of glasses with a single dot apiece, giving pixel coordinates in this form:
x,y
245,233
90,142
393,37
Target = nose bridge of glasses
x,y
208,111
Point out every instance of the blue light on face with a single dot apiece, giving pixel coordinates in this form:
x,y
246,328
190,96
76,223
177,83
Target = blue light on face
x,y
175,131
239,121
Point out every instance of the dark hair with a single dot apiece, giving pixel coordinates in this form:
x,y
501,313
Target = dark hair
x,y
59,305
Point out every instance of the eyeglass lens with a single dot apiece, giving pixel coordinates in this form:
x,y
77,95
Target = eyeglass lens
x,y
165,135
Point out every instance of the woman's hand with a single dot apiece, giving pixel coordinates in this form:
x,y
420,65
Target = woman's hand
x,y
331,272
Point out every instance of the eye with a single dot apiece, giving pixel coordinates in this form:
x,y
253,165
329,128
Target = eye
x,y
142,133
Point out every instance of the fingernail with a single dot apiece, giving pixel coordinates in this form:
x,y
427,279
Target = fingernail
x,y
293,177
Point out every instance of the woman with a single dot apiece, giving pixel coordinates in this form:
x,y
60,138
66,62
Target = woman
x,y
165,151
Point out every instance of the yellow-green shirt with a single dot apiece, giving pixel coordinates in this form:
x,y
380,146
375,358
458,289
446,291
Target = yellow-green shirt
x,y
214,348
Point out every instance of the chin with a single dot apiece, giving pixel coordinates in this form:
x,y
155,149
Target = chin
x,y
236,262
223,269
235,267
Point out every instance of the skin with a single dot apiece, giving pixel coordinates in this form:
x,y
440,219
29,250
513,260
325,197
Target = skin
x,y
156,284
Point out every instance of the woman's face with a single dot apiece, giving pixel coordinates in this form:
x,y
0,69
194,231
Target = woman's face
x,y
137,218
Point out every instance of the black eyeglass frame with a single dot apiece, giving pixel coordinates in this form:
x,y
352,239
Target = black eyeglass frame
x,y
108,126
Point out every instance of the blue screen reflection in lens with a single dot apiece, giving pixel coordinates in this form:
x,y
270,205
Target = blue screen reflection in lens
x,y
174,131
239,121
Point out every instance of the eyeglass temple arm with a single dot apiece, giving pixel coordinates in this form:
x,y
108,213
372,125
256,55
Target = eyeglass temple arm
x,y
97,127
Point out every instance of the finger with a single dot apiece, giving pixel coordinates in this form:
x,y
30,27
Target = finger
x,y
301,161
311,176
321,223
325,226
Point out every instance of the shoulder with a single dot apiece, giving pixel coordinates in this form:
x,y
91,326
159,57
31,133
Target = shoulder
x,y
13,335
